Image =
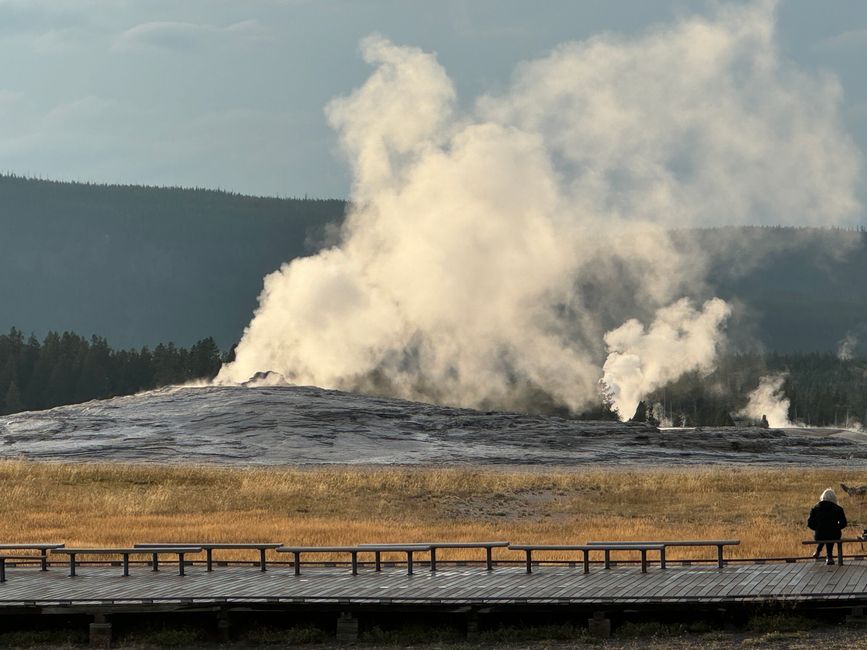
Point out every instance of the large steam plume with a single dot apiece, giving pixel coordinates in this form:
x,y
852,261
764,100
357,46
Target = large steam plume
x,y
488,251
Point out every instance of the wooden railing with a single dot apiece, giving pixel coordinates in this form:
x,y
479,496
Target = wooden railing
x,y
718,543
838,543
209,548
531,553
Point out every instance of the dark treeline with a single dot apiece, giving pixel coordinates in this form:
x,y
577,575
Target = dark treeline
x,y
67,368
823,390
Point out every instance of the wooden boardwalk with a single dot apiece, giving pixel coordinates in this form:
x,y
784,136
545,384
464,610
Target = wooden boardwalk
x,y
99,586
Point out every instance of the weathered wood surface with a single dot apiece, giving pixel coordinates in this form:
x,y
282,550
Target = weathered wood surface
x,y
459,585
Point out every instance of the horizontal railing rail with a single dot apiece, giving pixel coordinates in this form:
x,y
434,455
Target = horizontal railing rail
x,y
210,547
124,552
720,544
534,554
586,549
377,550
434,546
42,547
838,542
16,558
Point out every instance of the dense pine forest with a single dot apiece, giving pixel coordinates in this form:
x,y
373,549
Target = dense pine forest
x,y
822,390
67,368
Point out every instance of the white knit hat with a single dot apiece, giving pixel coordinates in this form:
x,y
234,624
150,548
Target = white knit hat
x,y
828,495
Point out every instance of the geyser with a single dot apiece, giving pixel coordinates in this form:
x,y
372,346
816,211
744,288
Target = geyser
x,y
488,251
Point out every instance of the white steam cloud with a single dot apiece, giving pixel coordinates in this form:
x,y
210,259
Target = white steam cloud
x,y
769,400
846,347
488,251
680,339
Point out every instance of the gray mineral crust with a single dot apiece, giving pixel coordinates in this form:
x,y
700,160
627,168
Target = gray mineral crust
x,y
299,425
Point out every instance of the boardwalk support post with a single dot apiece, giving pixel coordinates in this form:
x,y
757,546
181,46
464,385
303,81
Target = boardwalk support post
x,y
473,626
224,627
100,632
856,617
347,628
599,626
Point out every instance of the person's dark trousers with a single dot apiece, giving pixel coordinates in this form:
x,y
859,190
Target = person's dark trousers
x,y
829,551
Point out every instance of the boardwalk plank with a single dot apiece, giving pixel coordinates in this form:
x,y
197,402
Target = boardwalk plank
x,y
472,584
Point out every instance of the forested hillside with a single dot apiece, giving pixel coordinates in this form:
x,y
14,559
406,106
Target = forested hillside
x,y
793,289
821,390
144,265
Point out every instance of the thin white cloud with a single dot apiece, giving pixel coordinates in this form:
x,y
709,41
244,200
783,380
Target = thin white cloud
x,y
851,40
180,36
9,97
857,112
82,108
38,16
59,40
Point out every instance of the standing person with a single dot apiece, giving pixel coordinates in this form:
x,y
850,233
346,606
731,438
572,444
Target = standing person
x,y
827,520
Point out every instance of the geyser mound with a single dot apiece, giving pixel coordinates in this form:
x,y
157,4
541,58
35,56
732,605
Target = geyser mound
x,y
285,425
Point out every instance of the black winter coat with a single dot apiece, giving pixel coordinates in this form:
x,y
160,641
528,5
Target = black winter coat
x,y
827,519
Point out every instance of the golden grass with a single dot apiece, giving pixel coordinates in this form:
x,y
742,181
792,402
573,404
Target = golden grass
x,y
114,504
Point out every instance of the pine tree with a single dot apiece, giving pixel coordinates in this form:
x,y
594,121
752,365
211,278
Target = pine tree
x,y
13,403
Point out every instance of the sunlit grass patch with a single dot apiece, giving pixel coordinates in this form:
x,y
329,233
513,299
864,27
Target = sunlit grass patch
x,y
122,504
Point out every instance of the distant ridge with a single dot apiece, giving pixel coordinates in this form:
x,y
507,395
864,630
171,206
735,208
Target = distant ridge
x,y
141,265
12,177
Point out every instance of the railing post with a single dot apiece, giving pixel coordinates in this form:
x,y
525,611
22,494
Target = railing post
x,y
155,560
409,563
262,558
2,569
433,558
586,552
209,559
607,562
297,562
529,561
125,564
377,561
839,553
719,556
643,560
181,563
355,563
72,565
44,553
489,553
662,558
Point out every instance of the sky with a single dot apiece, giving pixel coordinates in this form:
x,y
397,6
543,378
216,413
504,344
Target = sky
x,y
232,95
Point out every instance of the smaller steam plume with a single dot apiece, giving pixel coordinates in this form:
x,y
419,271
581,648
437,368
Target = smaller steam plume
x,y
846,347
768,399
680,339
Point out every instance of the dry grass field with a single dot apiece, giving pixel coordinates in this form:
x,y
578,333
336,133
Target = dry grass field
x,y
113,504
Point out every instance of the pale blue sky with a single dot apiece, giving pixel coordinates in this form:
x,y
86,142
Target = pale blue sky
x,y
230,94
